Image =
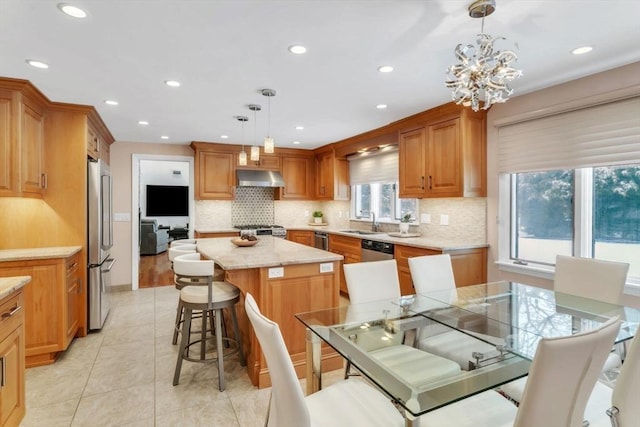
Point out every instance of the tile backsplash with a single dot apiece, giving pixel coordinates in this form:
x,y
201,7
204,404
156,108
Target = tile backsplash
x,y
253,205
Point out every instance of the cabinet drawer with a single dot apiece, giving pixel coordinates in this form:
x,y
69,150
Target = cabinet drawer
x,y
11,313
403,253
71,265
345,245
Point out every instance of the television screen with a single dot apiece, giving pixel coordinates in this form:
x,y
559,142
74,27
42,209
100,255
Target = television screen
x,y
167,200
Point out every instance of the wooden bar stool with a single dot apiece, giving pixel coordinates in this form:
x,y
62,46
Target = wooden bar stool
x,y
209,297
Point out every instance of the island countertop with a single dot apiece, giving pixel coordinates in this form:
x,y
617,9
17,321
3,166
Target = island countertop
x,y
268,252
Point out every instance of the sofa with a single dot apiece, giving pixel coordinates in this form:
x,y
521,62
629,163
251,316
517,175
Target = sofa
x,y
153,240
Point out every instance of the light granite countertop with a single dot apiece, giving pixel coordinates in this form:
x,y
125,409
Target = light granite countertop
x,y
268,252
9,285
418,242
38,253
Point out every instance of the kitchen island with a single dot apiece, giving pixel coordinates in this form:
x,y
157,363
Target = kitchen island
x,y
285,278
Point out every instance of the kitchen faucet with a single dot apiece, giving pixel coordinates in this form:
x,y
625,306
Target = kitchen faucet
x,y
374,224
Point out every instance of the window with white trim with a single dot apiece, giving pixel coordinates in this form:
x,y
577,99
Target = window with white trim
x,y
570,185
374,184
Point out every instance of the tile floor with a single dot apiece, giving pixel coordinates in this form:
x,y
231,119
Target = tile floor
x,y
122,375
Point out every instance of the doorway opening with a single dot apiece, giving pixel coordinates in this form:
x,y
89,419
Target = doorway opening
x,y
156,220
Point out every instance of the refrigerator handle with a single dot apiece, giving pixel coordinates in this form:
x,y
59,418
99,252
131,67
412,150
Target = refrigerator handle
x,y
111,261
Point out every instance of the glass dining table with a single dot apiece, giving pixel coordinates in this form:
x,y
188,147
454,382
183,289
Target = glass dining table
x,y
505,320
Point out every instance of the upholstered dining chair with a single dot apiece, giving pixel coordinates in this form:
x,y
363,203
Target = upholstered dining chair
x,y
587,278
563,372
431,273
344,404
378,280
618,407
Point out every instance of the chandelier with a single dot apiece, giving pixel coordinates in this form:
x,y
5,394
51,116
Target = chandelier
x,y
483,73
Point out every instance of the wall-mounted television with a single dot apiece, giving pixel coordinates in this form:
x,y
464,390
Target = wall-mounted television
x,y
167,200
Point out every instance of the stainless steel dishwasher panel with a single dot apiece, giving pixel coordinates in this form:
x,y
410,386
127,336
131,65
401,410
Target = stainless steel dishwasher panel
x,y
376,251
321,240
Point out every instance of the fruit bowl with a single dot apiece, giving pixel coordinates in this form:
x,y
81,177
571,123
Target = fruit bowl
x,y
243,243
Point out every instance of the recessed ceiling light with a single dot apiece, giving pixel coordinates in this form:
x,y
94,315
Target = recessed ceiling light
x,y
37,64
297,49
71,10
143,122
582,50
385,69
224,136
172,83
110,102
164,137
381,106
296,142
299,127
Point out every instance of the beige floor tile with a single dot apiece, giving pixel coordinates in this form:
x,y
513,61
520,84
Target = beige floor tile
x,y
53,415
251,406
139,296
50,384
218,414
127,334
131,315
116,408
127,351
112,375
188,394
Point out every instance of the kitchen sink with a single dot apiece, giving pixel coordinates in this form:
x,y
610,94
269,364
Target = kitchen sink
x,y
363,232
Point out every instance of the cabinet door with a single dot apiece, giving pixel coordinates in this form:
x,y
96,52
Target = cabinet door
x,y
93,143
32,155
402,255
301,236
267,162
8,167
12,405
296,172
214,175
324,185
444,161
341,188
412,163
104,151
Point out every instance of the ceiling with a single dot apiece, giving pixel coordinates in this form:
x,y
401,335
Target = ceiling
x,y
224,52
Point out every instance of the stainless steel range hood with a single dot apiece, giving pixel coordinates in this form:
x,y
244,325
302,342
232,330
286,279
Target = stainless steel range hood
x,y
259,178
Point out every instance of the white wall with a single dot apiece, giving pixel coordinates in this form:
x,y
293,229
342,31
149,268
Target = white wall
x,y
161,172
575,90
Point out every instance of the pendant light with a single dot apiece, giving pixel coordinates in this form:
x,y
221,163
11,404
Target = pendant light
x,y
242,157
255,150
268,141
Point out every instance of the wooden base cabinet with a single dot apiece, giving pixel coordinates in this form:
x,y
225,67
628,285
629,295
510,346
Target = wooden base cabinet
x,y
54,300
303,237
350,248
469,265
12,360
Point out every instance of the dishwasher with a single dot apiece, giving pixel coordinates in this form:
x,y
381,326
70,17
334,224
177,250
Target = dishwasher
x,y
321,240
376,251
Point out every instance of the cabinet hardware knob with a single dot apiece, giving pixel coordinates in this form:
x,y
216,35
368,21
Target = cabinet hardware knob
x,y
430,182
3,372
422,182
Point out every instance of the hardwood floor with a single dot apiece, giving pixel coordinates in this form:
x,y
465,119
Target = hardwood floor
x,y
154,271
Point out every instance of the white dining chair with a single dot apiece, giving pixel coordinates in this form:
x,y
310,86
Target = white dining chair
x,y
618,407
587,278
432,273
376,281
561,377
344,404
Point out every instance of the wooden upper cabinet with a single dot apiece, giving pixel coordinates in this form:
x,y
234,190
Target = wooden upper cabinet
x,y
332,177
32,156
93,143
297,173
215,175
444,158
267,162
21,144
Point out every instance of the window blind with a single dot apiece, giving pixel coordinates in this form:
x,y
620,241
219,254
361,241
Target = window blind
x,y
381,166
601,135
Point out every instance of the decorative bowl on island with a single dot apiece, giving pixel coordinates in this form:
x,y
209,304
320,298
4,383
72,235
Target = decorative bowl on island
x,y
243,242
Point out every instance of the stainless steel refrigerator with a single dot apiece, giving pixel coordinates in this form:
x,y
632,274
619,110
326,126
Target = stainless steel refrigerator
x,y
100,241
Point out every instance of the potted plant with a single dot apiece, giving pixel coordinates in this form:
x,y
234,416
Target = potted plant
x,y
317,217
404,223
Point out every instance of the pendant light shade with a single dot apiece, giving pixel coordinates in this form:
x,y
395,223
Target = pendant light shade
x,y
269,146
242,156
255,150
